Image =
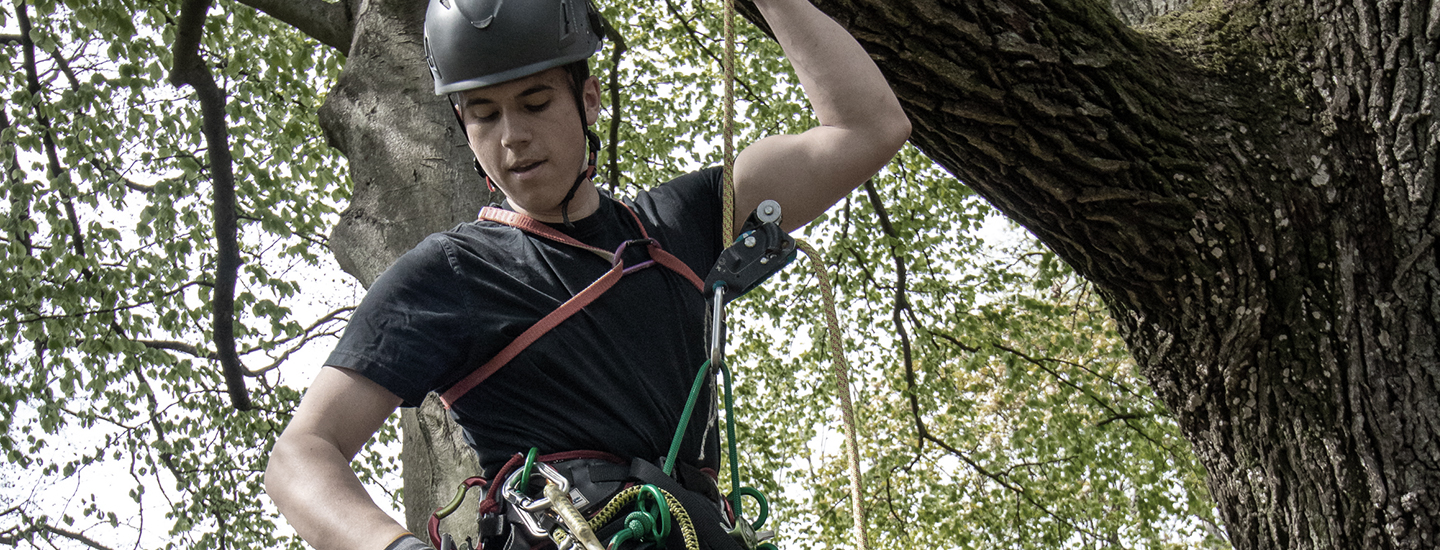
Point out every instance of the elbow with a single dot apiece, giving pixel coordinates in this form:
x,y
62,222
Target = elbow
x,y
277,470
898,129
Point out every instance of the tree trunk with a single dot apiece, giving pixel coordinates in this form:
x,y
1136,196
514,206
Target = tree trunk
x,y
1252,186
411,170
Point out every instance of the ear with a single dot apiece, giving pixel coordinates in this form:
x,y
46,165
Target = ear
x,y
590,94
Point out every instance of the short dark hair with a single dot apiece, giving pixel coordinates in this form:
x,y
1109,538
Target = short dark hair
x,y
579,71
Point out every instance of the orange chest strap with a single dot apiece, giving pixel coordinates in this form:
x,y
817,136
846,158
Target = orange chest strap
x,y
574,304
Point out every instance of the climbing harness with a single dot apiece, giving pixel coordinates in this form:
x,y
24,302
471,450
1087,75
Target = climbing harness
x,y
761,250
579,301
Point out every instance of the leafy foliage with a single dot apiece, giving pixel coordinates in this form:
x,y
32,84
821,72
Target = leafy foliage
x,y
106,364
997,406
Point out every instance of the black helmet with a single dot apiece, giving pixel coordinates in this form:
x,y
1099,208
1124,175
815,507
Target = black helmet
x,y
475,43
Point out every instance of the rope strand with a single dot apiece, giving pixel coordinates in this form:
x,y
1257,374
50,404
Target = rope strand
x,y
842,387
838,365
728,61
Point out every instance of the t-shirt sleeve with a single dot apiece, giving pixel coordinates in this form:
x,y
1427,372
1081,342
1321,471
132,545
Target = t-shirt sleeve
x,y
412,329
686,211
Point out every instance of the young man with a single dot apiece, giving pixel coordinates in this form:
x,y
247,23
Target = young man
x,y
614,377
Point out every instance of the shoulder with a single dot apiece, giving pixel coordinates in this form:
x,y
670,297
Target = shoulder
x,y
684,214
690,201
700,186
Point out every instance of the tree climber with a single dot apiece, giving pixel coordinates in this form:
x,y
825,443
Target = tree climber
x,y
612,378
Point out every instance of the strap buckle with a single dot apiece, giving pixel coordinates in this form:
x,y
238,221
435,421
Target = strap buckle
x,y
647,241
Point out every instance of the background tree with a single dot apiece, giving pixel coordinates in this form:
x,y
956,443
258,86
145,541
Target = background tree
x,y
163,184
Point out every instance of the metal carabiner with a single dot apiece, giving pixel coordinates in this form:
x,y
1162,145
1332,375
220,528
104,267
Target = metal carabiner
x,y
532,511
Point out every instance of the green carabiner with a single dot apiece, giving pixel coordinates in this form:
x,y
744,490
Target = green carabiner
x,y
759,499
527,468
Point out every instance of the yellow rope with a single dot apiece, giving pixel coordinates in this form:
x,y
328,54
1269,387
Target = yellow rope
x,y
728,195
839,366
624,498
842,387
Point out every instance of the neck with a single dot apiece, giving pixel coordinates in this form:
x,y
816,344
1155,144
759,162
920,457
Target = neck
x,y
585,203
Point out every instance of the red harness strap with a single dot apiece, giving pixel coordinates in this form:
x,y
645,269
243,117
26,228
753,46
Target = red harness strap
x,y
574,304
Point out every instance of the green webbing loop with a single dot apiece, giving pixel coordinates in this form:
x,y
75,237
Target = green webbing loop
x,y
761,501
647,523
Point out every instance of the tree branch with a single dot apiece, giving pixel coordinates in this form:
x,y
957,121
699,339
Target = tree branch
x,y
182,347
10,39
900,305
750,94
52,155
14,536
616,107
190,69
309,333
330,23
1018,491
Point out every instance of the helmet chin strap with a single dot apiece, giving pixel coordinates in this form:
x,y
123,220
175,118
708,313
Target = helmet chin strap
x,y
592,142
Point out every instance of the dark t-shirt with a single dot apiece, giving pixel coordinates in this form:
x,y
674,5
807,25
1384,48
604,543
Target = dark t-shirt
x,y
614,377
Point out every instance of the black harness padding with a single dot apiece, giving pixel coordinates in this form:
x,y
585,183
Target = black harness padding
x,y
598,481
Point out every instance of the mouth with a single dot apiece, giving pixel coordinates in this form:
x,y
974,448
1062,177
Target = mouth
x,y
525,167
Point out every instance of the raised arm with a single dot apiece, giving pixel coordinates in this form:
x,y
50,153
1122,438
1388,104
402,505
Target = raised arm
x,y
861,123
309,476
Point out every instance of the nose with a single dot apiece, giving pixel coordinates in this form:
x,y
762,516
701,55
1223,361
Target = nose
x,y
514,131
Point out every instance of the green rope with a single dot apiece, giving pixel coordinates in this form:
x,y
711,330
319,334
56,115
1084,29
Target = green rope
x,y
669,467
734,457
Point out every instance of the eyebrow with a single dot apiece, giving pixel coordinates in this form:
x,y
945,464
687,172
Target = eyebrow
x,y
538,88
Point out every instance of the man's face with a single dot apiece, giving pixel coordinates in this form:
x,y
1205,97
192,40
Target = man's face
x,y
528,137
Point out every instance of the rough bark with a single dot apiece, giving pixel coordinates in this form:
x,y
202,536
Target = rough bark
x,y
1252,185
412,177
331,23
408,159
1139,12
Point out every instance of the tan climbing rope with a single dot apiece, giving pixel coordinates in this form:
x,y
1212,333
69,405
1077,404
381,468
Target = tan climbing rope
x,y
817,265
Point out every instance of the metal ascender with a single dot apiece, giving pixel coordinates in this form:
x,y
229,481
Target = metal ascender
x,y
761,250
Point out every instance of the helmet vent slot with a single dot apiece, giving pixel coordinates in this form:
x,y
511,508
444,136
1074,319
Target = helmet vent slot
x,y
481,13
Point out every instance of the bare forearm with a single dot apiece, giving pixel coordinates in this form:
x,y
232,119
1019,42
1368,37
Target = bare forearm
x,y
313,485
843,84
